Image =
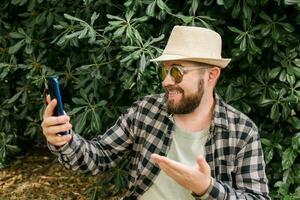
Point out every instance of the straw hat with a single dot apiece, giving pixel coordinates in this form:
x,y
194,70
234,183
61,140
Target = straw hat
x,y
194,44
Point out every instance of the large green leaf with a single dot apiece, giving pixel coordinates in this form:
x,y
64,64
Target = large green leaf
x,y
96,122
288,157
80,125
15,48
296,142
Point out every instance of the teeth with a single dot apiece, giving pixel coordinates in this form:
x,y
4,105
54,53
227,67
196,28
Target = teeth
x,y
173,92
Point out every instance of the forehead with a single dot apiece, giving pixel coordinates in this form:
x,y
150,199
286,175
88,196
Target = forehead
x,y
180,62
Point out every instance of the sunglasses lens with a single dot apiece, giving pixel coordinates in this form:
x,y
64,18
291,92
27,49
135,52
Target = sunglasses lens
x,y
176,74
162,73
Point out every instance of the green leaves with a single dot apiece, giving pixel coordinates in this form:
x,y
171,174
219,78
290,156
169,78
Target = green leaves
x,y
126,26
274,26
7,149
74,32
16,47
25,40
296,142
95,122
80,123
289,156
288,62
245,40
185,19
88,111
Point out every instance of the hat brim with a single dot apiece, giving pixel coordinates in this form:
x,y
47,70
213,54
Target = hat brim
x,y
223,62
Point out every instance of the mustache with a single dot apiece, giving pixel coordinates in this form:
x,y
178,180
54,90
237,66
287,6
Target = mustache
x,y
173,88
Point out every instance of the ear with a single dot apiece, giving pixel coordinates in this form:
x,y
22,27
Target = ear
x,y
213,75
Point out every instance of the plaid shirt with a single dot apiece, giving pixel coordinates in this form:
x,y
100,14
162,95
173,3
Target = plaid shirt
x,y
233,150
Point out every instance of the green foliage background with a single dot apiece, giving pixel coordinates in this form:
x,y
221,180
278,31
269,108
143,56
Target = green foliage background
x,y
101,50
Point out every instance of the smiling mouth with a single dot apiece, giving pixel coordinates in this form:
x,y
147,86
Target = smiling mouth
x,y
173,93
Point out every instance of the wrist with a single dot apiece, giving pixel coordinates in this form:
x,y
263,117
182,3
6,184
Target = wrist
x,y
205,187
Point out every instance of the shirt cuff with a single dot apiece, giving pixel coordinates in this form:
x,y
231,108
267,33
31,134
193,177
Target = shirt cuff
x,y
215,191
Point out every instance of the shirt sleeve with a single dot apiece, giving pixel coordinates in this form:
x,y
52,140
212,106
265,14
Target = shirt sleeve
x,y
103,151
250,178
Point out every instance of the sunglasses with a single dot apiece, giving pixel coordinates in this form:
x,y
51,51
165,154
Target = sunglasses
x,y
176,71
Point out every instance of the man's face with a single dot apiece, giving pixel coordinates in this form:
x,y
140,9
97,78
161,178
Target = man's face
x,y
183,97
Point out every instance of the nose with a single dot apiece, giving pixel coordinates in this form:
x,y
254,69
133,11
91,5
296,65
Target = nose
x,y
168,80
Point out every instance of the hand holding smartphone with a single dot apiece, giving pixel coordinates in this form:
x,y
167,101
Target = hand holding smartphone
x,y
53,87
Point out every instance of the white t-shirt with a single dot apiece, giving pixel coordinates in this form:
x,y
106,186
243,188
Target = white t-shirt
x,y
185,148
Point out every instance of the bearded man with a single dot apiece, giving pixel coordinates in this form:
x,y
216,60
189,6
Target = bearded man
x,y
184,144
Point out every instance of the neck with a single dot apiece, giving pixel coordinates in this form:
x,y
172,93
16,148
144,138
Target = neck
x,y
200,118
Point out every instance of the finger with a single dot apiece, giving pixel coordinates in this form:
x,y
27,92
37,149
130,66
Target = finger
x,y
203,165
171,167
49,109
169,162
181,177
60,140
155,157
51,121
170,171
53,130
159,161
48,98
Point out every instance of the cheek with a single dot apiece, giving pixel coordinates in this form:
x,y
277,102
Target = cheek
x,y
190,85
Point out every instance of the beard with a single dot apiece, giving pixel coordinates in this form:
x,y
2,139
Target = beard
x,y
188,103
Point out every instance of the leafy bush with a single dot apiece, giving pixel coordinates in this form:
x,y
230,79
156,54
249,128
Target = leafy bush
x,y
101,50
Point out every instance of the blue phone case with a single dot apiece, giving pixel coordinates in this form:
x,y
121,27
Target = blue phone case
x,y
54,90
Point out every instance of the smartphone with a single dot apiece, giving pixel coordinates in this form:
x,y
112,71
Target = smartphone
x,y
53,87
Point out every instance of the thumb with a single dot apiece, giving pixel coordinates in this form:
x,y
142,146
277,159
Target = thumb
x,y
203,165
48,99
49,109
